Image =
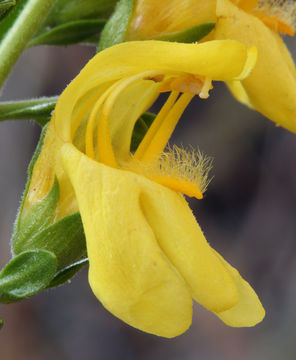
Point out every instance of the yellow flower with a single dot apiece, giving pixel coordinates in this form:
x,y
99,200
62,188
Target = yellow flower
x,y
271,88
148,256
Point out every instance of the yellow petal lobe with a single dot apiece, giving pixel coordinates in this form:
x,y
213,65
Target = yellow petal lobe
x,y
183,242
129,273
248,311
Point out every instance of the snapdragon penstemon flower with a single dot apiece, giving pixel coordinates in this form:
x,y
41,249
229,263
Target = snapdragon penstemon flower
x,y
271,88
148,256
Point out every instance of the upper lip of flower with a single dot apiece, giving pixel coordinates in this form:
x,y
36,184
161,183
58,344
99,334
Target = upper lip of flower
x,y
107,139
219,60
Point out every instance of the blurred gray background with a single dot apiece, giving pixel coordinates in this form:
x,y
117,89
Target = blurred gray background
x,y
248,214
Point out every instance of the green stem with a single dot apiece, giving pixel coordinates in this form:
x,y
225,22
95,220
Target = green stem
x,y
28,17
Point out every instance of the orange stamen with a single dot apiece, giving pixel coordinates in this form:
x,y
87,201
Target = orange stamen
x,y
180,185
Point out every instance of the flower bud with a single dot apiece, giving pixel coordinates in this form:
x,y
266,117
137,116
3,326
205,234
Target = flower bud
x,y
48,218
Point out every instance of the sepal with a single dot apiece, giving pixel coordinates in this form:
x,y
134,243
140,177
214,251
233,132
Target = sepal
x,y
67,273
65,238
74,21
70,33
26,274
35,221
116,27
30,173
65,11
190,35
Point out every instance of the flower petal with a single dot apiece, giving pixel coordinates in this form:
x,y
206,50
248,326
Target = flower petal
x,y
248,311
128,272
152,18
271,87
127,106
239,92
183,242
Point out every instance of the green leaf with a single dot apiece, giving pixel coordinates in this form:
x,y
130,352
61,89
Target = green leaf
x,y
39,110
191,35
65,11
37,219
26,274
69,33
116,27
140,129
67,273
65,238
5,5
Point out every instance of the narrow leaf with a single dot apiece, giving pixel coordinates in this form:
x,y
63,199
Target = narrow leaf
x,y
69,33
26,274
67,273
1,323
116,27
39,110
191,35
